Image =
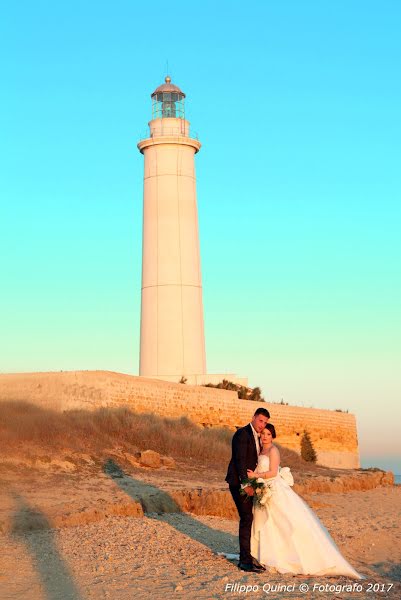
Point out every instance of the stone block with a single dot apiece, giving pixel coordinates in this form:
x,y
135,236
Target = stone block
x,y
150,458
168,461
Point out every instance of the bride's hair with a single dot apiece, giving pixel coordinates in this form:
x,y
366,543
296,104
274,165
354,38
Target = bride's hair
x,y
272,429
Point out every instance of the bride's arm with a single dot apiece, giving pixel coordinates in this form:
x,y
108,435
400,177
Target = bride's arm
x,y
274,459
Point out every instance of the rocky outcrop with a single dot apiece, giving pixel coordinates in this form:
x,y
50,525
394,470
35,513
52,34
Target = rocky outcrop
x,y
356,481
141,498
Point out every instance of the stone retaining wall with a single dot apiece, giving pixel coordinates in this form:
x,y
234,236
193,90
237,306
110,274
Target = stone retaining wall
x,y
333,433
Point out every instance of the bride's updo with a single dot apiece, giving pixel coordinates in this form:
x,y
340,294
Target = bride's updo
x,y
272,429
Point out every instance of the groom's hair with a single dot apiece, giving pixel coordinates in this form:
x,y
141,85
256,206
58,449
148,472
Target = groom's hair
x,y
262,411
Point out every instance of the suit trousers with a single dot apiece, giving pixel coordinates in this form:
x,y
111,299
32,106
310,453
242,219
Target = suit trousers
x,y
244,506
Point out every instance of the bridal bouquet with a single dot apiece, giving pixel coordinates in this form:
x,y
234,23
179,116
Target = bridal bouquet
x,y
263,490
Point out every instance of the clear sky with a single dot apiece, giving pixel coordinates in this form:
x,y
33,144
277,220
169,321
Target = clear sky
x,y
297,105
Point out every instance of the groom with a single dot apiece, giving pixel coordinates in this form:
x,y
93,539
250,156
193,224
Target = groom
x,y
245,451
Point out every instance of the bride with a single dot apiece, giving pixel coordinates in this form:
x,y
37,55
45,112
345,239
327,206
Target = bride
x,y
286,534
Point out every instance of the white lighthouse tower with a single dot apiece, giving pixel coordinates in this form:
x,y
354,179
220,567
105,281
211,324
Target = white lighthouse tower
x,y
172,330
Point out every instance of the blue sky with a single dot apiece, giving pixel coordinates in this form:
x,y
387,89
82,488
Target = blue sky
x,y
299,186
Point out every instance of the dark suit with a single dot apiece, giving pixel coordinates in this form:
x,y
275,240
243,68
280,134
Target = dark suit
x,y
244,456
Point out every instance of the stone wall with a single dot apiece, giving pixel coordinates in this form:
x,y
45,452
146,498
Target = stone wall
x,y
333,433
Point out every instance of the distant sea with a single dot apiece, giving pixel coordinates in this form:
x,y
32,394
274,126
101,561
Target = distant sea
x,y
387,463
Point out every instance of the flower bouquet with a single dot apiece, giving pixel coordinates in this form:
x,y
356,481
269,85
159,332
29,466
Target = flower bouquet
x,y
263,490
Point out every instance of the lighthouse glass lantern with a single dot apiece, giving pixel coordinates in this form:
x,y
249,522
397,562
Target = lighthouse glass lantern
x,y
168,102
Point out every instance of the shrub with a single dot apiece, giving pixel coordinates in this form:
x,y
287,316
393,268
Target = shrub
x,y
307,450
244,393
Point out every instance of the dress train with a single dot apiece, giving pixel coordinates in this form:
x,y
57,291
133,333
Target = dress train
x,y
287,535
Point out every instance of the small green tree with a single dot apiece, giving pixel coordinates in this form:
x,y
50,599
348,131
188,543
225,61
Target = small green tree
x,y
256,395
242,392
307,450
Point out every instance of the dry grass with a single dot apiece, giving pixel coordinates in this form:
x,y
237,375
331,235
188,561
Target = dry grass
x,y
94,432
25,427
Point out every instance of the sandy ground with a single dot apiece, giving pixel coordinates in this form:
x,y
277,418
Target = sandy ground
x,y
176,555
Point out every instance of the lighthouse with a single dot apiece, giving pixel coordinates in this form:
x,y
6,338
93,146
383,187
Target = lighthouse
x,y
172,342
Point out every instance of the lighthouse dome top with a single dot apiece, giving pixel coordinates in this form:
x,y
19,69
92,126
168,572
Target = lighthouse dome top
x,y
168,87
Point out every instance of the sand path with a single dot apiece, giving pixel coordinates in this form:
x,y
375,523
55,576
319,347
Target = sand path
x,y
175,555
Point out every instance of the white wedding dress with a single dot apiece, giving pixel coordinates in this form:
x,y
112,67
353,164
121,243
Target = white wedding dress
x,y
288,536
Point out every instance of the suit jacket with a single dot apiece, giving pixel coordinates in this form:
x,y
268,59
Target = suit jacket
x,y
244,456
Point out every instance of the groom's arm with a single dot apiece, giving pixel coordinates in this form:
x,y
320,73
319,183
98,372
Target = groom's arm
x,y
240,453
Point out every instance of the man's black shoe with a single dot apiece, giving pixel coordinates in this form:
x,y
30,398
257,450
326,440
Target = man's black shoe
x,y
257,565
248,567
